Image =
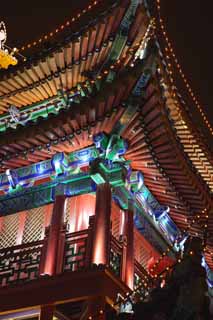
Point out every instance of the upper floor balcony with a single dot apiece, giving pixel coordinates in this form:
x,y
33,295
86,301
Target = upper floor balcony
x,y
76,249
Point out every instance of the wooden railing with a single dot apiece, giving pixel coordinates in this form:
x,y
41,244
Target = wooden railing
x,y
20,263
116,256
76,251
141,277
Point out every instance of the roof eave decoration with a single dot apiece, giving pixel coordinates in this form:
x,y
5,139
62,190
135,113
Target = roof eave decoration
x,y
111,37
79,172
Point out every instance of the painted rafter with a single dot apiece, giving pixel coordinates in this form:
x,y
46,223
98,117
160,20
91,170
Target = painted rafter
x,y
76,174
193,144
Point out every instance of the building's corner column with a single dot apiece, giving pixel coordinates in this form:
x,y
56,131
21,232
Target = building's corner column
x,y
55,239
101,235
89,246
129,254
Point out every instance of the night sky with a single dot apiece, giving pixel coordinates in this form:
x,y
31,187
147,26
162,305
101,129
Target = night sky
x,y
189,24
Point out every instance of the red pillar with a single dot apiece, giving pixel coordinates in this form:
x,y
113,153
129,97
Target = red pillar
x,y
47,312
53,257
129,254
122,223
101,235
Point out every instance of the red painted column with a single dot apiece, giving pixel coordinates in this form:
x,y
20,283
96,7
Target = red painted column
x,y
129,236
101,235
47,312
55,239
122,223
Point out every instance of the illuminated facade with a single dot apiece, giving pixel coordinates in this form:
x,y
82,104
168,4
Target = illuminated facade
x,y
103,174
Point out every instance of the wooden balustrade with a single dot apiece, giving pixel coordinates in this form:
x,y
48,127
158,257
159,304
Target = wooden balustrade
x,y
75,250
141,277
116,256
22,263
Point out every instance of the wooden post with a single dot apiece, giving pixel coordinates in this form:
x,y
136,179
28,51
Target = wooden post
x,y
129,254
47,312
101,236
53,257
89,242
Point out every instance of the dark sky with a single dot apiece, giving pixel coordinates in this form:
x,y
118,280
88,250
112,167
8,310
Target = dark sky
x,y
189,24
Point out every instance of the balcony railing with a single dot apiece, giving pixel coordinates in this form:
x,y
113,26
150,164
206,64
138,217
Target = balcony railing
x,y
20,263
23,263
75,253
116,255
141,278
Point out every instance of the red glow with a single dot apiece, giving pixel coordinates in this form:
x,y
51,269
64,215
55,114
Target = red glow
x,y
47,217
122,223
143,249
102,225
79,209
22,219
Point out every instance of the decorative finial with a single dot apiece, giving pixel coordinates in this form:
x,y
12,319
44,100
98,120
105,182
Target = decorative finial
x,y
6,54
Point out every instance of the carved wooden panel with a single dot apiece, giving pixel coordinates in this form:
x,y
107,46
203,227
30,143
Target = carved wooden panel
x,y
20,263
75,250
116,253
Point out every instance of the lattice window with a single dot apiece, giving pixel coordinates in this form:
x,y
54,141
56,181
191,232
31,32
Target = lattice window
x,y
34,225
8,234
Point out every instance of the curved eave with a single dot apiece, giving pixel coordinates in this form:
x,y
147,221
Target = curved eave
x,y
153,145
80,120
194,144
154,133
64,67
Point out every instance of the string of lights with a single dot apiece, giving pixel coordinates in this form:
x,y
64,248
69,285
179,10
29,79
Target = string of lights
x,y
171,55
147,36
68,23
170,52
88,82
121,299
162,274
48,145
197,219
149,284
144,285
111,67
